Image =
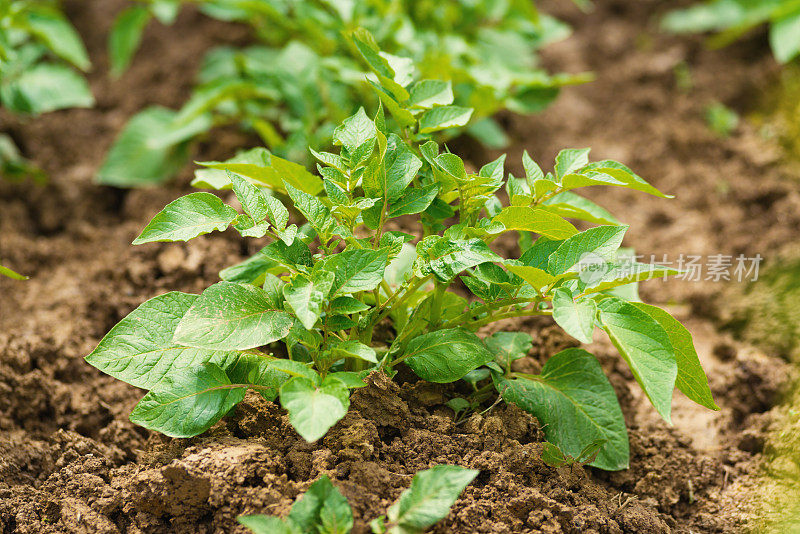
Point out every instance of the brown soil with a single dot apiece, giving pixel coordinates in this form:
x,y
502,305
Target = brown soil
x,y
71,462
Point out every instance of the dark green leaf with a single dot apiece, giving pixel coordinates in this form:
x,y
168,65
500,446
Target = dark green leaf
x,y
187,402
446,355
230,316
575,403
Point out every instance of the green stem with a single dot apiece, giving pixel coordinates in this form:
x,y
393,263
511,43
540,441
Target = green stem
x,y
520,313
436,306
486,308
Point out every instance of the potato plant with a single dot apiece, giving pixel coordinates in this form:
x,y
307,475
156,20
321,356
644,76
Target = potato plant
x,y
732,18
5,271
306,76
348,293
39,54
323,509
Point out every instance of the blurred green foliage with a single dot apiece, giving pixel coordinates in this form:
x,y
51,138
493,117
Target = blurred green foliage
x,y
304,77
730,19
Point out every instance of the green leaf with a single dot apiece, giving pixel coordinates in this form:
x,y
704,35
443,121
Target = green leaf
x,y
573,206
413,201
426,94
187,402
429,498
260,166
150,149
629,273
784,37
307,296
357,270
255,370
354,133
691,379
509,346
592,245
354,349
46,87
140,349
313,410
446,258
446,355
322,509
576,405
316,213
267,524
57,33
443,117
609,172
570,160
188,217
125,37
378,63
295,256
576,317
401,168
230,316
646,347
534,276
536,220
538,254
347,305
5,271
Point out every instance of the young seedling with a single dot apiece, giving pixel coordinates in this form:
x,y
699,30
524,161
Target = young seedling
x,y
295,87
322,509
731,19
348,293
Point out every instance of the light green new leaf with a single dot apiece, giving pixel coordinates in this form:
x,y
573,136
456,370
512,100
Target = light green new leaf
x,y
576,404
645,346
188,217
354,349
625,273
575,317
307,296
57,33
691,379
313,410
536,220
5,271
572,206
426,94
608,172
446,355
443,117
259,165
532,275
429,498
230,316
592,245
140,349
570,160
354,132
188,401
357,270
784,37
322,509
125,37
401,168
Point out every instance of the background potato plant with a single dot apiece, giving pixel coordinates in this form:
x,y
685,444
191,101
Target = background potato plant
x,y
41,57
306,75
730,19
346,293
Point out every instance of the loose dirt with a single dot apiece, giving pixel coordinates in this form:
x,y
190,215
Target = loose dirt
x,y
70,461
